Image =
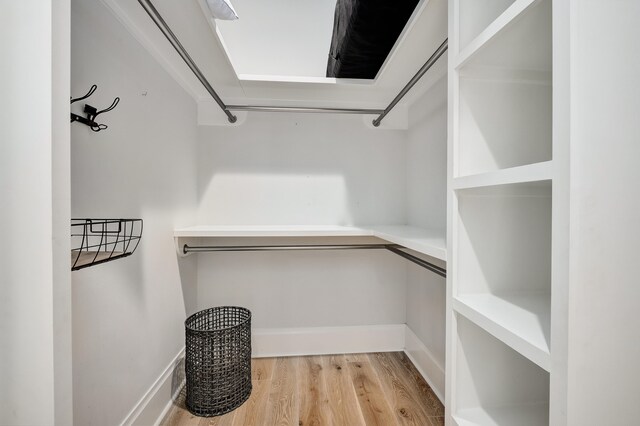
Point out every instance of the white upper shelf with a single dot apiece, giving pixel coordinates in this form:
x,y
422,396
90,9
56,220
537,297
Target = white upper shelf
x,y
525,46
428,242
271,231
186,19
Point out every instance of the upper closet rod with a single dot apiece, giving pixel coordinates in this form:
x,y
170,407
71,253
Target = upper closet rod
x,y
432,60
162,25
304,109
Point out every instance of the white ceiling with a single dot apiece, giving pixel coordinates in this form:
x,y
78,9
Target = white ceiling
x,y
425,32
279,37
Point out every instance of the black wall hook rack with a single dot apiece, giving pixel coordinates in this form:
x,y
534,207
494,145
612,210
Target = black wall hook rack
x,y
92,113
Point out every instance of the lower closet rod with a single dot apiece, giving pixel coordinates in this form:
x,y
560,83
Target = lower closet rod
x,y
393,248
201,249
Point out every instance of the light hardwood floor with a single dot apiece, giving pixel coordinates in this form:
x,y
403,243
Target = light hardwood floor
x,y
382,389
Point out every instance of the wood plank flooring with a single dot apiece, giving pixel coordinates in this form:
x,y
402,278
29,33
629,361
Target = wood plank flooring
x,y
342,390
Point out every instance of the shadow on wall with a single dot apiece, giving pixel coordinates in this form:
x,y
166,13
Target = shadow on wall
x,y
178,381
187,267
301,169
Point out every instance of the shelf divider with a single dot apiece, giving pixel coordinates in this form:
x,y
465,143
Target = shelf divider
x,y
492,30
522,174
521,321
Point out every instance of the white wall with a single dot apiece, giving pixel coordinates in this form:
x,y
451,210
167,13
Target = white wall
x,y
61,214
304,169
427,208
604,337
427,159
34,218
301,169
280,37
128,314
310,289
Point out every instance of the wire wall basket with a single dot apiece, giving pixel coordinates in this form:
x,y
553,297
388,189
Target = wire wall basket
x,y
96,241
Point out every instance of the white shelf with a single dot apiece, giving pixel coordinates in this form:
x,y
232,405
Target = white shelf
x,y
212,231
521,415
430,243
493,381
521,321
504,92
474,16
522,174
504,21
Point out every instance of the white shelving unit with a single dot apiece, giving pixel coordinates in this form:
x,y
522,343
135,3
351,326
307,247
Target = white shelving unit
x,y
475,16
424,241
494,384
504,99
501,173
523,174
519,320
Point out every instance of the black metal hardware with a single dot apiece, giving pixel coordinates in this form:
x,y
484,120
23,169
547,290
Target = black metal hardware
x,y
217,360
92,112
96,241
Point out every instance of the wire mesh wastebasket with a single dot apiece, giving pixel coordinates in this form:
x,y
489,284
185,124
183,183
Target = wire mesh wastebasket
x,y
218,360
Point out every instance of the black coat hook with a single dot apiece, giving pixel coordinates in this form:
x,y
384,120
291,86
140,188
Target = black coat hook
x,y
92,112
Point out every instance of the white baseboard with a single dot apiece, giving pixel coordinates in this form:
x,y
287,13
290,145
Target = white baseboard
x,y
267,343
425,362
156,402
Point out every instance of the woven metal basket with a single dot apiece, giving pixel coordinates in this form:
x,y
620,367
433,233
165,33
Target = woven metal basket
x,y
218,360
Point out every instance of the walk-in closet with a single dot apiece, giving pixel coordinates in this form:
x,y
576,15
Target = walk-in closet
x,y
319,212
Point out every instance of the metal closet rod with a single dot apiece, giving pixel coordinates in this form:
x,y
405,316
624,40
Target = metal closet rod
x,y
164,28
186,249
421,72
162,25
304,109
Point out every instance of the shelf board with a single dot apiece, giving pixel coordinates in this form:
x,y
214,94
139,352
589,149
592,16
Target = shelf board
x,y
430,243
521,321
521,415
425,241
530,173
496,27
272,231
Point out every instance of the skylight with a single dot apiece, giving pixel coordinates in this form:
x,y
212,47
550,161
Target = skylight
x,y
280,38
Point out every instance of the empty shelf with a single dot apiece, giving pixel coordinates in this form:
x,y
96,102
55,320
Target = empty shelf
x,y
430,243
519,320
425,241
502,24
271,231
523,174
521,415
